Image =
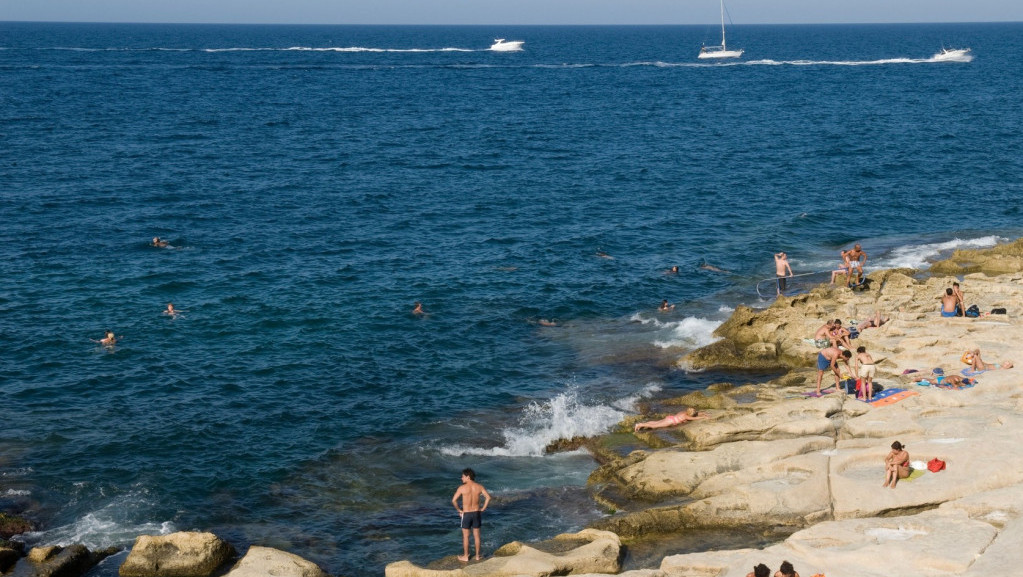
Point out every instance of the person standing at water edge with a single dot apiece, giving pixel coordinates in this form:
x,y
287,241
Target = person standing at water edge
x,y
781,263
857,258
470,510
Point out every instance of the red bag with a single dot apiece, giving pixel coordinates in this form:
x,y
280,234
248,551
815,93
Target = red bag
x,y
935,465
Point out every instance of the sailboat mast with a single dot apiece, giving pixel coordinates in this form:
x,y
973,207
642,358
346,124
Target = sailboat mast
x,y
723,24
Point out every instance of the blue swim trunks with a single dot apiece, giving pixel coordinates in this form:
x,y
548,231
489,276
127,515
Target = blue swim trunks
x,y
823,363
954,313
472,519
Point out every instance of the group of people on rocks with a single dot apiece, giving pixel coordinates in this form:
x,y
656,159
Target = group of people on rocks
x,y
786,570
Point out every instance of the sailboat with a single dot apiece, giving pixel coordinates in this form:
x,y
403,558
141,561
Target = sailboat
x,y
720,51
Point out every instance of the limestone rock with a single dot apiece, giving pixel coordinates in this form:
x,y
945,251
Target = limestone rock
x,y
601,554
55,561
182,554
263,561
11,525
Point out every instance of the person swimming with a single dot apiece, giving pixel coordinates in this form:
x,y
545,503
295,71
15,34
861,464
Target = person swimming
x,y
417,308
159,242
108,340
171,311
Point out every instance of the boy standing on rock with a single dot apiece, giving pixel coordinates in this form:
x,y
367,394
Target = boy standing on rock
x,y
471,512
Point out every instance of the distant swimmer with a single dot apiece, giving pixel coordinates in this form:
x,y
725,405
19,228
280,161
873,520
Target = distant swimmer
x,y
159,242
547,323
713,268
665,306
603,254
171,311
108,341
418,308
672,270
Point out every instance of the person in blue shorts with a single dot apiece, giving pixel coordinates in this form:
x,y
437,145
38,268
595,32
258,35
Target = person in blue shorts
x,y
828,359
470,510
949,304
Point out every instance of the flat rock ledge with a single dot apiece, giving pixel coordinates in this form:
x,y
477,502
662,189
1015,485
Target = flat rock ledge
x,y
772,457
599,553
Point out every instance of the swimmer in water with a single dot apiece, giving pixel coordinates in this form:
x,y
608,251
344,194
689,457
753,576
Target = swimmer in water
x,y
672,270
159,242
603,254
547,323
108,341
418,308
665,307
170,311
712,268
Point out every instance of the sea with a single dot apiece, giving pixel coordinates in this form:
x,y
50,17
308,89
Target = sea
x,y
314,182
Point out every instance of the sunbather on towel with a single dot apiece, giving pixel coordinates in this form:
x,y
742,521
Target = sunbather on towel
x,y
976,363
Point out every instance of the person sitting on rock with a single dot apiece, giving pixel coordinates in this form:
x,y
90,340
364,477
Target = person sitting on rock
x,y
681,417
896,465
839,335
786,570
760,570
822,338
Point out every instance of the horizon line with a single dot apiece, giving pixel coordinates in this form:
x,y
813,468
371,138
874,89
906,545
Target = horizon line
x,y
495,24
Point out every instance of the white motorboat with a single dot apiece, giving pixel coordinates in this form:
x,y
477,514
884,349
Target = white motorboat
x,y
953,55
500,45
720,51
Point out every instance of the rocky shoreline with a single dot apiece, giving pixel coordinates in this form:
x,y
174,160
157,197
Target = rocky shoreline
x,y
773,459
770,459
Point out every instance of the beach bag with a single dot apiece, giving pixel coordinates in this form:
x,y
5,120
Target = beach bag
x,y
973,311
877,388
849,385
935,465
998,311
853,332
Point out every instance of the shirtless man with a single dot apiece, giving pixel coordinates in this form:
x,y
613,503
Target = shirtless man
x,y
159,242
781,264
417,308
470,510
857,258
958,294
822,338
949,304
828,359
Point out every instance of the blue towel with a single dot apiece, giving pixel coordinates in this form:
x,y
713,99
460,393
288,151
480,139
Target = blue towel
x,y
970,373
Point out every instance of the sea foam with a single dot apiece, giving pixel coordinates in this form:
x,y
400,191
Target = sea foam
x,y
542,423
918,256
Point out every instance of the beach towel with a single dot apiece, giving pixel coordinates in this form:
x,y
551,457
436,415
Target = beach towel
x,y
815,394
890,397
967,372
914,474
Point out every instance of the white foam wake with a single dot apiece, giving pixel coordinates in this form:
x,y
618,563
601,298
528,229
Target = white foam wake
x,y
917,256
563,417
688,333
109,526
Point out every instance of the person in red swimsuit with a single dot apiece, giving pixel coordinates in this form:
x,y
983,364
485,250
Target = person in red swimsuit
x,y
896,465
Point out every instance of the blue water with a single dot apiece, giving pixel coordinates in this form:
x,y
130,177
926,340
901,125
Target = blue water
x,y
314,182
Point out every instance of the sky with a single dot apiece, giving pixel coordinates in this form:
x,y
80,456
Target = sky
x,y
511,12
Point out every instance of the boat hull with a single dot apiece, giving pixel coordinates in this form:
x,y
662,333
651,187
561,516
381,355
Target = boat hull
x,y
502,46
713,54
